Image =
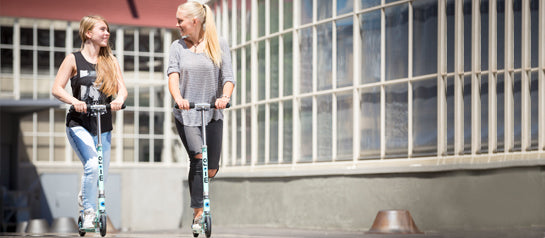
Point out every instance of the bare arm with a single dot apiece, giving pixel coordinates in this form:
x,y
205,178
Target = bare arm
x,y
221,102
66,71
174,88
121,90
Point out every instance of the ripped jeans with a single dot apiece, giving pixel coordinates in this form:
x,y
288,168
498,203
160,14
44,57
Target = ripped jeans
x,y
84,144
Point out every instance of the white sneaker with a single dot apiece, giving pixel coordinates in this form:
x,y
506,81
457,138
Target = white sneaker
x,y
89,219
196,227
80,199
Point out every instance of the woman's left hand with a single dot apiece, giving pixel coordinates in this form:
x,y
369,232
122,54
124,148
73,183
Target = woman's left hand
x,y
116,105
221,102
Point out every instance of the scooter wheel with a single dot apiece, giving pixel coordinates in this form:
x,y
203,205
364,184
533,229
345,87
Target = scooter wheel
x,y
195,234
102,224
208,226
80,225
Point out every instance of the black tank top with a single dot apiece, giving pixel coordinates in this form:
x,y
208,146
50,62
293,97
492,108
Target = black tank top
x,y
84,90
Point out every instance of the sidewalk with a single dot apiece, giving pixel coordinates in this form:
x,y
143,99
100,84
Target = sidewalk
x,y
256,232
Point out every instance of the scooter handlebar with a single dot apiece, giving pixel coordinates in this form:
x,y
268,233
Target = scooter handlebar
x,y
211,105
108,107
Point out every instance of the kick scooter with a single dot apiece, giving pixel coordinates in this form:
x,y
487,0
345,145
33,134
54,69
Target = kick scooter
x,y
100,218
206,219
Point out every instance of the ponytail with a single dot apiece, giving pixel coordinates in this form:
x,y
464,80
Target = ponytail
x,y
212,46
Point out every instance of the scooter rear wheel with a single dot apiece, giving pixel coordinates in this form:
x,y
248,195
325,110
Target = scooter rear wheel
x,y
208,226
102,224
80,225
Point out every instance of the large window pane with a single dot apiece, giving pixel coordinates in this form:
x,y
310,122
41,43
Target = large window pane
x,y
261,17
274,82
287,132
369,3
484,34
517,30
370,47
305,45
397,41
517,118
467,114
534,12
344,6
467,35
261,83
325,127
305,114
500,7
288,14
288,64
534,96
450,35
345,126
248,15
324,52
248,78
425,37
238,87
500,85
260,134
396,120
345,52
324,9
425,117
273,133
274,21
370,123
248,132
484,113
306,11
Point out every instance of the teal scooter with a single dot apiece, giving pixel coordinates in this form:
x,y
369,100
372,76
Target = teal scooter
x,y
206,220
100,218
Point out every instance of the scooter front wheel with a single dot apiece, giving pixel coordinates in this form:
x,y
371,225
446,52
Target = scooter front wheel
x,y
208,226
80,225
102,223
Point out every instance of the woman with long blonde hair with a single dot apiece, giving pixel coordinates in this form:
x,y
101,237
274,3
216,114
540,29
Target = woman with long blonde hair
x,y
95,77
199,71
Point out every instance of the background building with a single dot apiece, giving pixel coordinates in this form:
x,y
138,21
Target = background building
x,y
342,108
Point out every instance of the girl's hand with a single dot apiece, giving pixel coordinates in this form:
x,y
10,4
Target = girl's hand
x,y
221,102
116,104
182,104
80,106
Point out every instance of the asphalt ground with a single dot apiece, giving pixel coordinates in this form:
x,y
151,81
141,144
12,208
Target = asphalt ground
x,y
256,232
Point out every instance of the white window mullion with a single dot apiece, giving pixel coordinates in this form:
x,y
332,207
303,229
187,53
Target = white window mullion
x,y
492,77
476,78
167,100
296,136
410,84
68,42
355,81
442,79
458,78
509,78
16,60
526,107
382,80
541,75
254,86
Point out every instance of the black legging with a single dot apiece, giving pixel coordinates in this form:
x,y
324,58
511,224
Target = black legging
x,y
192,139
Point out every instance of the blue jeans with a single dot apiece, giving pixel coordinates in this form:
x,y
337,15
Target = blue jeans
x,y
84,144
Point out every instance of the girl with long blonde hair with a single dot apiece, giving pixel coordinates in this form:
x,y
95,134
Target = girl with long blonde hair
x,y
95,78
199,71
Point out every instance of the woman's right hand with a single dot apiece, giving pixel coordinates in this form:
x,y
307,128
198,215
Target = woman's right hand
x,y
182,104
80,106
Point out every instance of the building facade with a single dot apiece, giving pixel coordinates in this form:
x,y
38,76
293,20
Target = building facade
x,y
342,105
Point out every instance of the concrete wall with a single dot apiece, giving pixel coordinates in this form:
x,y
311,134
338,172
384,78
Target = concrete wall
x,y
138,198
469,199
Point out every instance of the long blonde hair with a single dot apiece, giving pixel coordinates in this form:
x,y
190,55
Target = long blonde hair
x,y
205,15
105,67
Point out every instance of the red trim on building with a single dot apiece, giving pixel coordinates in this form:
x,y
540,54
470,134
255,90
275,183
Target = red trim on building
x,y
152,13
